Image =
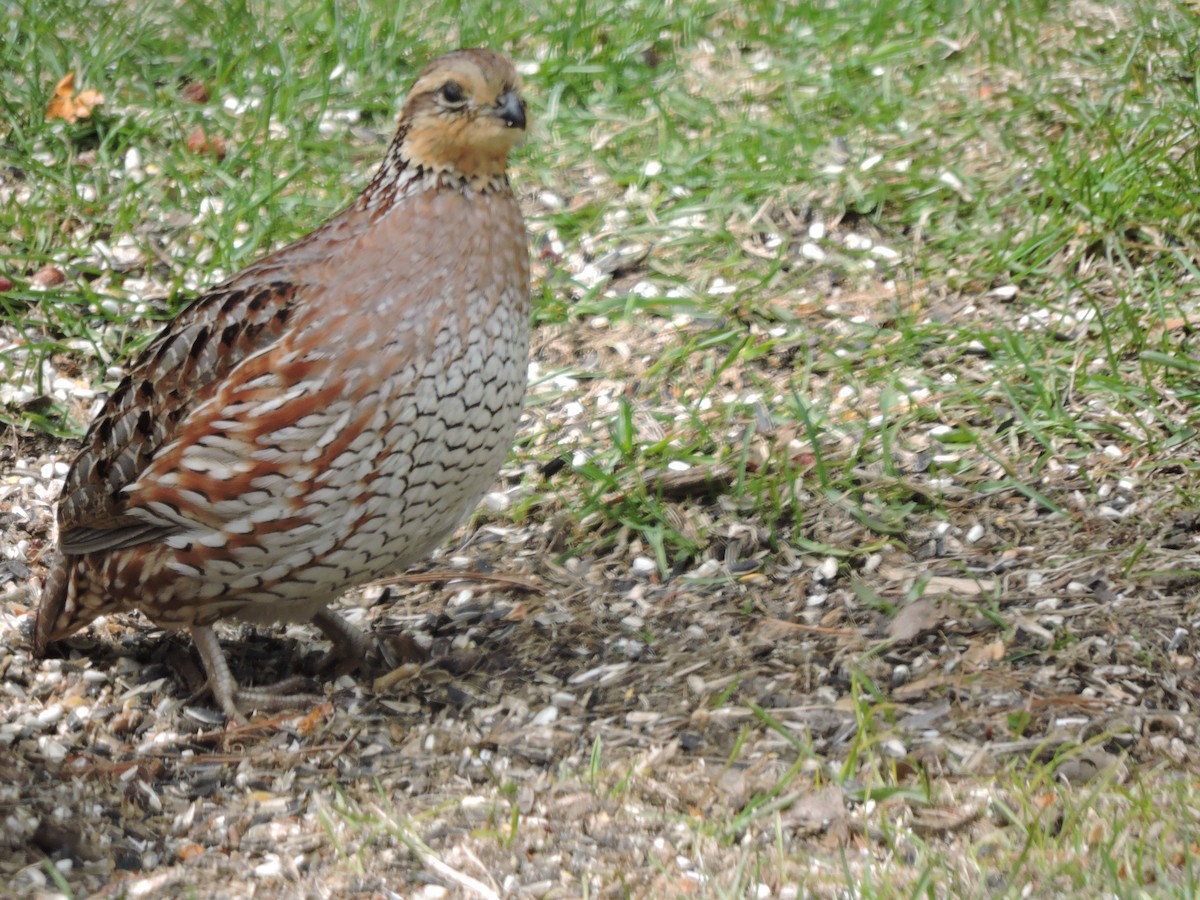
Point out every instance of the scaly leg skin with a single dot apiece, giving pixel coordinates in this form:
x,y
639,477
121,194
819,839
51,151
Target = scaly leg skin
x,y
350,645
225,689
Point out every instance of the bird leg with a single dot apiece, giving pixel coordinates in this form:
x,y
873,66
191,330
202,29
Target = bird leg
x,y
350,646
225,689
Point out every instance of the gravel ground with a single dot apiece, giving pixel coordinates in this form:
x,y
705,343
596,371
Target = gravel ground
x,y
538,722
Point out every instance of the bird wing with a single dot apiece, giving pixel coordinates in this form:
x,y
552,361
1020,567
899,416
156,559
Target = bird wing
x,y
176,372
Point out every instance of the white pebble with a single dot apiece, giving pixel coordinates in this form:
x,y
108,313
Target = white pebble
x,y
29,873
1113,452
952,180
827,570
644,565
210,207
811,251
52,750
652,168
497,501
707,569
272,868
974,534
546,716
894,747
816,230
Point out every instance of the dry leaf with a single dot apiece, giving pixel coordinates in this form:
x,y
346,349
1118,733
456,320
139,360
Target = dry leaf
x,y
961,587
189,851
1088,764
70,106
916,618
48,276
818,812
316,717
922,686
199,142
405,672
941,820
981,656
1184,324
195,92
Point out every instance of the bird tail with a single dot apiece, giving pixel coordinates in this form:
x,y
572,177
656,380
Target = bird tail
x,y
52,604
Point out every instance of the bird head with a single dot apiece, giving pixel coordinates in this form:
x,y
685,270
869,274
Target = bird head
x,y
464,115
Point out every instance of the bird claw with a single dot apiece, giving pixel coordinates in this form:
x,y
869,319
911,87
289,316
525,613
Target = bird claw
x,y
334,664
281,695
232,698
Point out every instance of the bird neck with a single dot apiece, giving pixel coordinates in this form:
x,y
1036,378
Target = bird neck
x,y
401,175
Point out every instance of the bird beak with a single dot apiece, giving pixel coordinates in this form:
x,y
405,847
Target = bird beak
x,y
511,110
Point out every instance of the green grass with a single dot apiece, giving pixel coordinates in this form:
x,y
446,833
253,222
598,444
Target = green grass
x,y
902,263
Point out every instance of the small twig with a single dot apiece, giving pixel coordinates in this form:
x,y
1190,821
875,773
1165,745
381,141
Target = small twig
x,y
513,581
430,860
813,629
346,743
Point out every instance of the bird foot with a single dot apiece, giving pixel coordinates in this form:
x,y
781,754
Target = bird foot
x,y
350,649
232,698
349,652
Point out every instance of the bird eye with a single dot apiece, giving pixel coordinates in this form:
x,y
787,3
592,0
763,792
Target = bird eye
x,y
452,92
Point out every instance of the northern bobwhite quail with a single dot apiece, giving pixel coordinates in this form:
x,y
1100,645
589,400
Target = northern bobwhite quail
x,y
326,416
